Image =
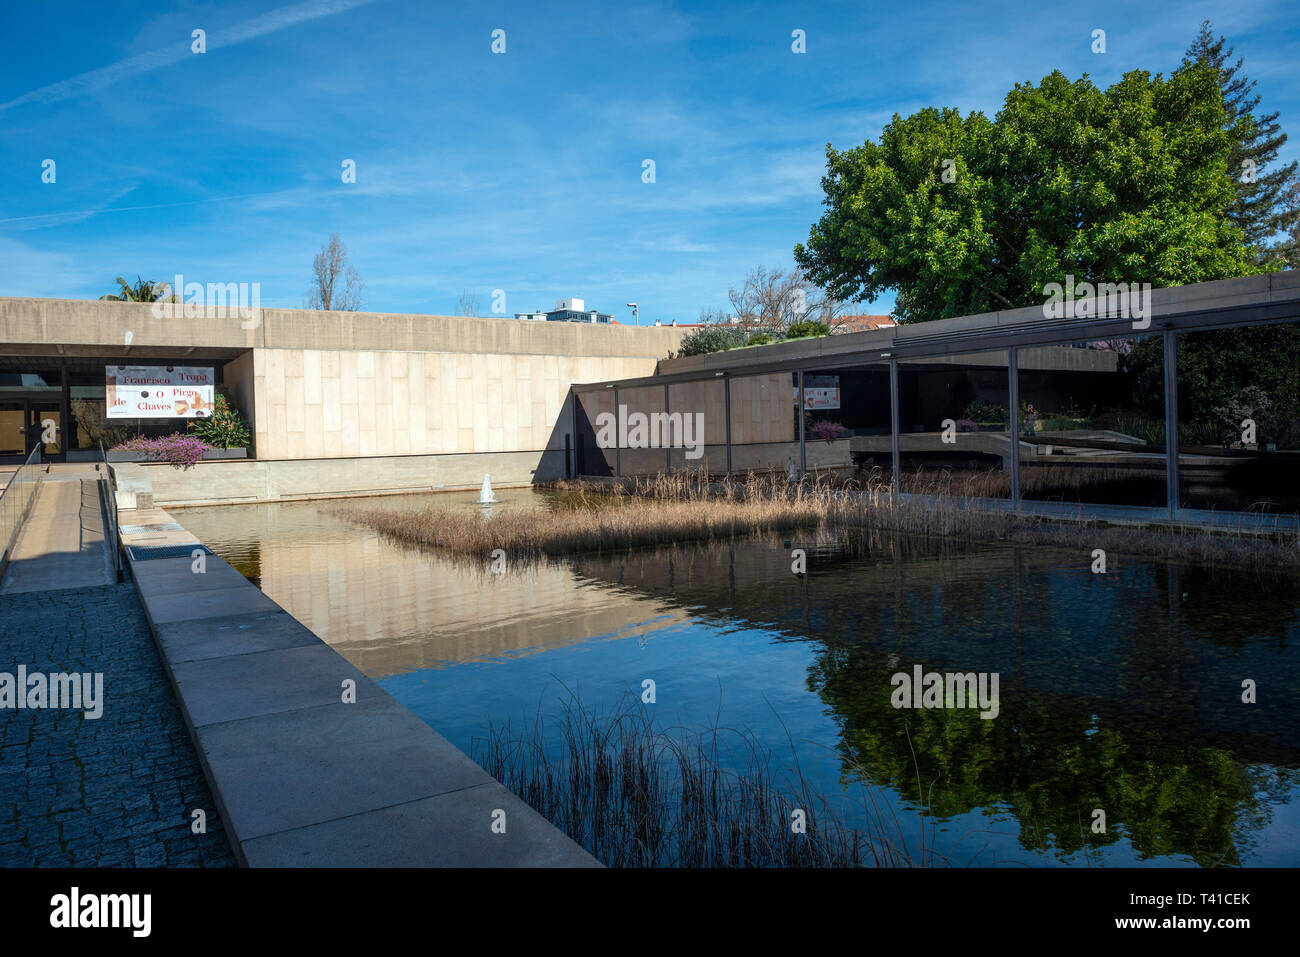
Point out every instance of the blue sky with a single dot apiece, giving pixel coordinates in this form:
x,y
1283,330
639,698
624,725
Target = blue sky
x,y
520,171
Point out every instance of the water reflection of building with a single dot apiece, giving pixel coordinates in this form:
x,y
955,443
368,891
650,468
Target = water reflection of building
x,y
391,609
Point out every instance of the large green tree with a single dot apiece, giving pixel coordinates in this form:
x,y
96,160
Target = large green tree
x,y
1262,188
964,215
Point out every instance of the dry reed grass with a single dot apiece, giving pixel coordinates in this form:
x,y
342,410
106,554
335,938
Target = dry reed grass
x,y
638,795
954,516
598,517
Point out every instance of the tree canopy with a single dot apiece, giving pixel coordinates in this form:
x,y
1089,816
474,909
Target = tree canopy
x,y
962,214
1262,204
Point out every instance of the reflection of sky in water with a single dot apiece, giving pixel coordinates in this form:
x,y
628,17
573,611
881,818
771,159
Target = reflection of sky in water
x,y
1124,686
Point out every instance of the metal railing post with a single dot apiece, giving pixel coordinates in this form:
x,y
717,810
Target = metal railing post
x,y
618,439
666,438
1171,423
110,513
1013,421
803,450
895,447
726,401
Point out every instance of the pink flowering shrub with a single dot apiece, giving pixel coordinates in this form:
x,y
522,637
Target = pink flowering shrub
x,y
828,431
178,449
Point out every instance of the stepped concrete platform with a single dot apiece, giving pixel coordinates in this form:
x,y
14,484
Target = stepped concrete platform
x,y
134,490
310,762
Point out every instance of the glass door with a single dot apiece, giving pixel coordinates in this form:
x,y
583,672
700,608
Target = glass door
x,y
27,422
45,427
13,430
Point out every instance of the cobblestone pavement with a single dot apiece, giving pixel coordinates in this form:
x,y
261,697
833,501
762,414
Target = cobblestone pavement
x,y
117,791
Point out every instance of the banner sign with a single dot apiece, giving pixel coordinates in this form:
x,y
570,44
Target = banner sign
x,y
158,392
819,392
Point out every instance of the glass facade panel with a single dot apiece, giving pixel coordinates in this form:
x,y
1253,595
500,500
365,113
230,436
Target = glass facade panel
x,y
66,394
953,427
846,425
1239,419
1093,422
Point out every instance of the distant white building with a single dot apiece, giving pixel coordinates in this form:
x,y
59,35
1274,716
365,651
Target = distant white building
x,y
567,310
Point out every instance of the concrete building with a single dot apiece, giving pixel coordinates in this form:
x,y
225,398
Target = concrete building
x,y
568,310
336,402
356,403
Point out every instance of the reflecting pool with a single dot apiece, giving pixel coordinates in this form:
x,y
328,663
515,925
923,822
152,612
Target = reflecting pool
x,y
1120,691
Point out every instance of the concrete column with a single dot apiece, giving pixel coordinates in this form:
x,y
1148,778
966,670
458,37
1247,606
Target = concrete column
x,y
618,439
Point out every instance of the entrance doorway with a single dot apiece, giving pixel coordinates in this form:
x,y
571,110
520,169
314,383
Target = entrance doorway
x,y
28,422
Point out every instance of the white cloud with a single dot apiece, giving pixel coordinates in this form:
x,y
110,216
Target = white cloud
x,y
29,272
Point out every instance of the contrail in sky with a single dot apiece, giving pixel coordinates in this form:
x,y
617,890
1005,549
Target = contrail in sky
x,y
156,59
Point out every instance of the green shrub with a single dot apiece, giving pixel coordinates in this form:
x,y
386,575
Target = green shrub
x,y
225,428
1057,422
720,337
715,338
986,412
807,329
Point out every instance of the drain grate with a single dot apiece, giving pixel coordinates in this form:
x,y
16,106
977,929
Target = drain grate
x,y
143,553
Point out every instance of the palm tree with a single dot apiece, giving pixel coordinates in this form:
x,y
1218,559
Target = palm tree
x,y
145,290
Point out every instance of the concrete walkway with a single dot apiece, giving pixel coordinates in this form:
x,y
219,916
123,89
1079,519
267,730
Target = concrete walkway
x,y
311,762
62,543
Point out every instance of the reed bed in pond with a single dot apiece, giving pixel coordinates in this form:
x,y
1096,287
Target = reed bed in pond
x,y
638,795
946,515
596,517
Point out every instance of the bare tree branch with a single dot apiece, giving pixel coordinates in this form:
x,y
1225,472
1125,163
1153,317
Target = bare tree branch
x,y
772,300
335,284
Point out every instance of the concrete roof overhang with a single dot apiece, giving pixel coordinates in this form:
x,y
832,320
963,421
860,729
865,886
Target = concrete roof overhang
x,y
1225,303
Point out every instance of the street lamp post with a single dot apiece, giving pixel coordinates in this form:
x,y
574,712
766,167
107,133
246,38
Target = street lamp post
x,y
635,320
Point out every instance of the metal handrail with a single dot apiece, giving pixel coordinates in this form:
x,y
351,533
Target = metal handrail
x,y
10,502
110,510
